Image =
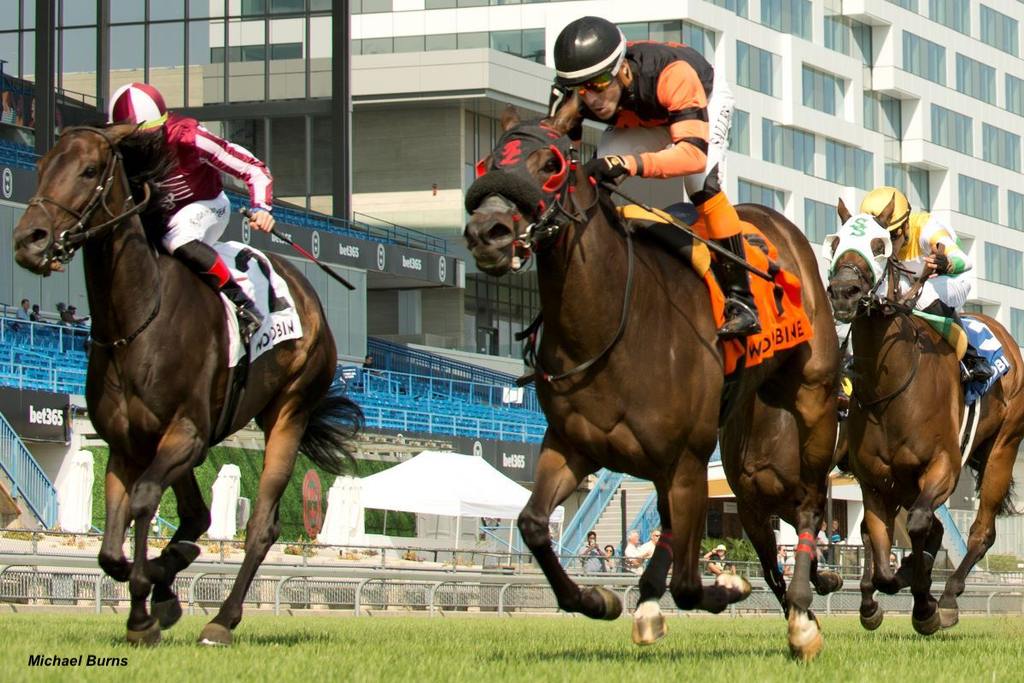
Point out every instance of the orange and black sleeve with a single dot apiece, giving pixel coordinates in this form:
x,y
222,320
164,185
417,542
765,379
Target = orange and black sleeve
x,y
682,94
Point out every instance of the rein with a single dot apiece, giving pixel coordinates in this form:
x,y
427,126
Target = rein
x,y
71,240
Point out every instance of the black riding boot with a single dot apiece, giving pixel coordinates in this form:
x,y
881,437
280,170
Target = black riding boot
x,y
204,261
740,310
973,368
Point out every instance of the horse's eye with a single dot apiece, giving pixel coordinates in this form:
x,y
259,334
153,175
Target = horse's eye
x,y
89,172
552,165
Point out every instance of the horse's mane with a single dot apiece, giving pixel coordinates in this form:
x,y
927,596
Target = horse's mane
x,y
147,160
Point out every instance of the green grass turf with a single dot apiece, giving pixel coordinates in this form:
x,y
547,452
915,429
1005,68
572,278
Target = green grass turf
x,y
489,649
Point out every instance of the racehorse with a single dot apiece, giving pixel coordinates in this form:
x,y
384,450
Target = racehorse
x,y
905,418
646,400
158,375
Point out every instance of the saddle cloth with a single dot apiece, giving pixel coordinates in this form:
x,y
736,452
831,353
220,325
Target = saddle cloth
x,y
254,273
976,333
784,323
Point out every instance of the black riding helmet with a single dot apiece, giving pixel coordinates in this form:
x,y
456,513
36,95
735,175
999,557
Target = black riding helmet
x,y
586,48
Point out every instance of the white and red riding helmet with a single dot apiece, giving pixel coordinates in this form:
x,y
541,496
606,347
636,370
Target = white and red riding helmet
x,y
138,103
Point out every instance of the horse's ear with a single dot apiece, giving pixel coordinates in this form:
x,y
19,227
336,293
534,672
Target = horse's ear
x,y
568,115
509,118
885,215
119,131
844,213
878,246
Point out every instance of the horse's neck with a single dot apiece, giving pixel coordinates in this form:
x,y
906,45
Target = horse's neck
x,y
122,280
883,347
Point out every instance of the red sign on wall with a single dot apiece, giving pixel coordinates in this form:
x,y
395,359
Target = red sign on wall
x,y
312,513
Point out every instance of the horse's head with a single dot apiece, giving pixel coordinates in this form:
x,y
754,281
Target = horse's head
x,y
81,181
857,256
515,204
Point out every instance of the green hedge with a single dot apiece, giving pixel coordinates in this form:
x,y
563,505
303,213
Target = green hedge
x,y
250,464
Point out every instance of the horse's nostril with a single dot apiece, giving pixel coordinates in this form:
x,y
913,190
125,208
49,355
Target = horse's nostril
x,y
497,232
39,235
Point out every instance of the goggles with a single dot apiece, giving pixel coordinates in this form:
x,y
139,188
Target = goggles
x,y
598,84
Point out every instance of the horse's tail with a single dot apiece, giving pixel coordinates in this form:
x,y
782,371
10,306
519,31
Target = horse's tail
x,y
330,435
1006,506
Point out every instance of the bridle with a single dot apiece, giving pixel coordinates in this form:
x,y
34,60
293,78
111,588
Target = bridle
x,y
63,248
888,305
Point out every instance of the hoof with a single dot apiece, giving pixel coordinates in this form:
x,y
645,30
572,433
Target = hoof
x,y
928,626
649,624
610,602
738,587
188,550
949,616
874,621
167,612
147,636
805,639
828,582
215,634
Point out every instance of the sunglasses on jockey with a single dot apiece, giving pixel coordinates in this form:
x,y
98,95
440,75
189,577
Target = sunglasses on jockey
x,y
598,84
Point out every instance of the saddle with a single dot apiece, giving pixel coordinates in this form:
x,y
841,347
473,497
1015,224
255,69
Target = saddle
x,y
784,323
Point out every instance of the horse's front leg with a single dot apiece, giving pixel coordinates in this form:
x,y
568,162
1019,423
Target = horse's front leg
x,y
560,470
182,549
175,454
648,622
871,612
925,532
119,479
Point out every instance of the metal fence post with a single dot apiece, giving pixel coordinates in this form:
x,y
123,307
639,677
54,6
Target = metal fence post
x,y
501,598
359,596
99,593
828,603
277,593
430,596
192,592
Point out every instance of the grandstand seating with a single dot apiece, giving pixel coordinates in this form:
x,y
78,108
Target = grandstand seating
x,y
43,356
17,155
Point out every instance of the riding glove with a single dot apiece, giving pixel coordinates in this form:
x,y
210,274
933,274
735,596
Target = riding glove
x,y
606,169
942,264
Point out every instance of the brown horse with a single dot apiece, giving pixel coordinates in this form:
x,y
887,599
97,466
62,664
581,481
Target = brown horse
x,y
157,374
906,414
646,400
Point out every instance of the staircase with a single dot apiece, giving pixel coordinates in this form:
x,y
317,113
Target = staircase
x,y
24,479
952,539
609,525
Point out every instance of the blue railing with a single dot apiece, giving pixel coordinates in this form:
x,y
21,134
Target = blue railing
x,y
955,546
13,154
590,511
29,482
406,385
427,422
399,358
647,519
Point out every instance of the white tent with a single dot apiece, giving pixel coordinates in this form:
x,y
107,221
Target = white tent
x,y
224,506
450,484
345,520
74,493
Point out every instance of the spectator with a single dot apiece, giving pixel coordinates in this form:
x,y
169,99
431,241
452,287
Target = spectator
x,y
8,112
836,536
70,318
780,559
592,558
35,316
611,563
893,561
368,366
633,561
647,549
716,560
21,314
62,312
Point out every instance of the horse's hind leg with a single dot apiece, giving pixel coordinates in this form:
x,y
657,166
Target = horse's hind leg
x,y
284,431
758,527
119,478
648,622
560,470
181,551
175,455
995,486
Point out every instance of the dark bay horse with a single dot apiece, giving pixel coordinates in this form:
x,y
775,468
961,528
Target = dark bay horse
x,y
905,418
158,372
647,400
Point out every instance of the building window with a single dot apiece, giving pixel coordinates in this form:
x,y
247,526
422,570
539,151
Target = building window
x,y
906,4
975,79
883,114
1000,147
755,68
739,132
788,16
924,58
978,198
819,220
913,182
1015,95
787,146
1015,210
753,193
699,38
952,130
1003,265
849,37
999,31
823,91
1017,325
955,14
848,165
737,6
373,6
